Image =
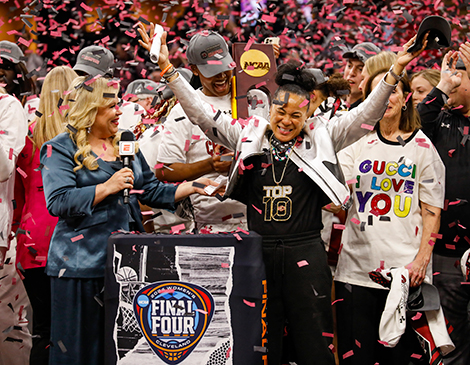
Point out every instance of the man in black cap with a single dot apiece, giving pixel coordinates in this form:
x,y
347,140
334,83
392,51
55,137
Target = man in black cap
x,y
445,118
355,59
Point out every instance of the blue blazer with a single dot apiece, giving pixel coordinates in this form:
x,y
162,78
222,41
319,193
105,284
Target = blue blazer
x,y
79,242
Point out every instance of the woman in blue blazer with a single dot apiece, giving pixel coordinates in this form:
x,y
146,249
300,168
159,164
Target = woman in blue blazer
x,y
83,183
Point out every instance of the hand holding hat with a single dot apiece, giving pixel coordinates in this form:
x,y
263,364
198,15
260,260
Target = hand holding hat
x,y
438,30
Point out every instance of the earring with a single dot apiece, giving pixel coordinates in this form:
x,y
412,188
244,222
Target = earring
x,y
88,129
404,107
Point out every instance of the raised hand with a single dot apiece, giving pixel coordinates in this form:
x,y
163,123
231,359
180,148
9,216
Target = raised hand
x,y
146,42
404,57
450,78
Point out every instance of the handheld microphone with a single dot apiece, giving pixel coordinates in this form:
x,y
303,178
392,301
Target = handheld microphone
x,y
156,44
126,153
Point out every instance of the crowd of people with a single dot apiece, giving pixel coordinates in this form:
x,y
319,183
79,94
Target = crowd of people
x,y
376,153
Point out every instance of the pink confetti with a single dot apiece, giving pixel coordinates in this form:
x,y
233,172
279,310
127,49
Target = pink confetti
x,y
237,236
336,301
169,291
383,343
355,221
86,7
302,263
436,235
425,145
257,209
311,126
326,334
358,344
431,243
13,281
367,126
249,304
417,316
348,354
196,137
178,228
248,44
260,84
21,172
242,230
303,103
135,191
49,150
186,145
352,181
450,247
416,356
339,226
200,311
225,265
214,62
158,166
10,154
450,152
77,238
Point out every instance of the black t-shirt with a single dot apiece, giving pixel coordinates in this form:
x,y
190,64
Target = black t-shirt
x,y
291,207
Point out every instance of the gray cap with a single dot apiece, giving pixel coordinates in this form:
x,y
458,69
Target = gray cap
x,y
95,60
362,51
143,86
209,52
11,52
318,76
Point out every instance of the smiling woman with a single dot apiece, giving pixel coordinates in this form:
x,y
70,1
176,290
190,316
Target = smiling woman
x,y
83,185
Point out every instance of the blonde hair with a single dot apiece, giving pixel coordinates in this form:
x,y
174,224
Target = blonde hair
x,y
52,120
380,61
2,90
430,75
84,101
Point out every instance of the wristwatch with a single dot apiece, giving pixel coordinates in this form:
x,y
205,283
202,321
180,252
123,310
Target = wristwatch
x,y
395,76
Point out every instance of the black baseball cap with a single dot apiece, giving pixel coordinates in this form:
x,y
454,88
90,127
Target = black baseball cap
x,y
439,33
423,298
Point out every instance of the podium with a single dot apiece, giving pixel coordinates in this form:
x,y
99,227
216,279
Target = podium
x,y
185,299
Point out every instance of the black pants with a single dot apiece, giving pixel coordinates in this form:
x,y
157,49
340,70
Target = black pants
x,y
358,318
38,287
299,291
455,302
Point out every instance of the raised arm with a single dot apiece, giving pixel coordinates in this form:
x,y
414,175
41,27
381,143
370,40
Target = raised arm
x,y
350,126
430,108
215,124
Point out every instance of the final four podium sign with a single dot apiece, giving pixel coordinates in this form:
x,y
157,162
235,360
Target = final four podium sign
x,y
190,300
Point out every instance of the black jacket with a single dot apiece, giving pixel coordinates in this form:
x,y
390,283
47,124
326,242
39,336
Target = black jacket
x,y
448,130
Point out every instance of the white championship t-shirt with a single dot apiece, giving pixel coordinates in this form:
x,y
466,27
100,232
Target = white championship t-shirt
x,y
185,142
384,224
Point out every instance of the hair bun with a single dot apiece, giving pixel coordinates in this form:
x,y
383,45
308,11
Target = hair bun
x,y
293,72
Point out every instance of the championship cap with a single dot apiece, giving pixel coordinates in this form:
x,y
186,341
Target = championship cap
x,y
209,52
318,76
95,60
11,52
439,34
143,86
362,51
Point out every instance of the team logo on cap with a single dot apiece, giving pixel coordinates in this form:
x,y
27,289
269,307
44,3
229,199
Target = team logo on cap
x,y
173,317
255,63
